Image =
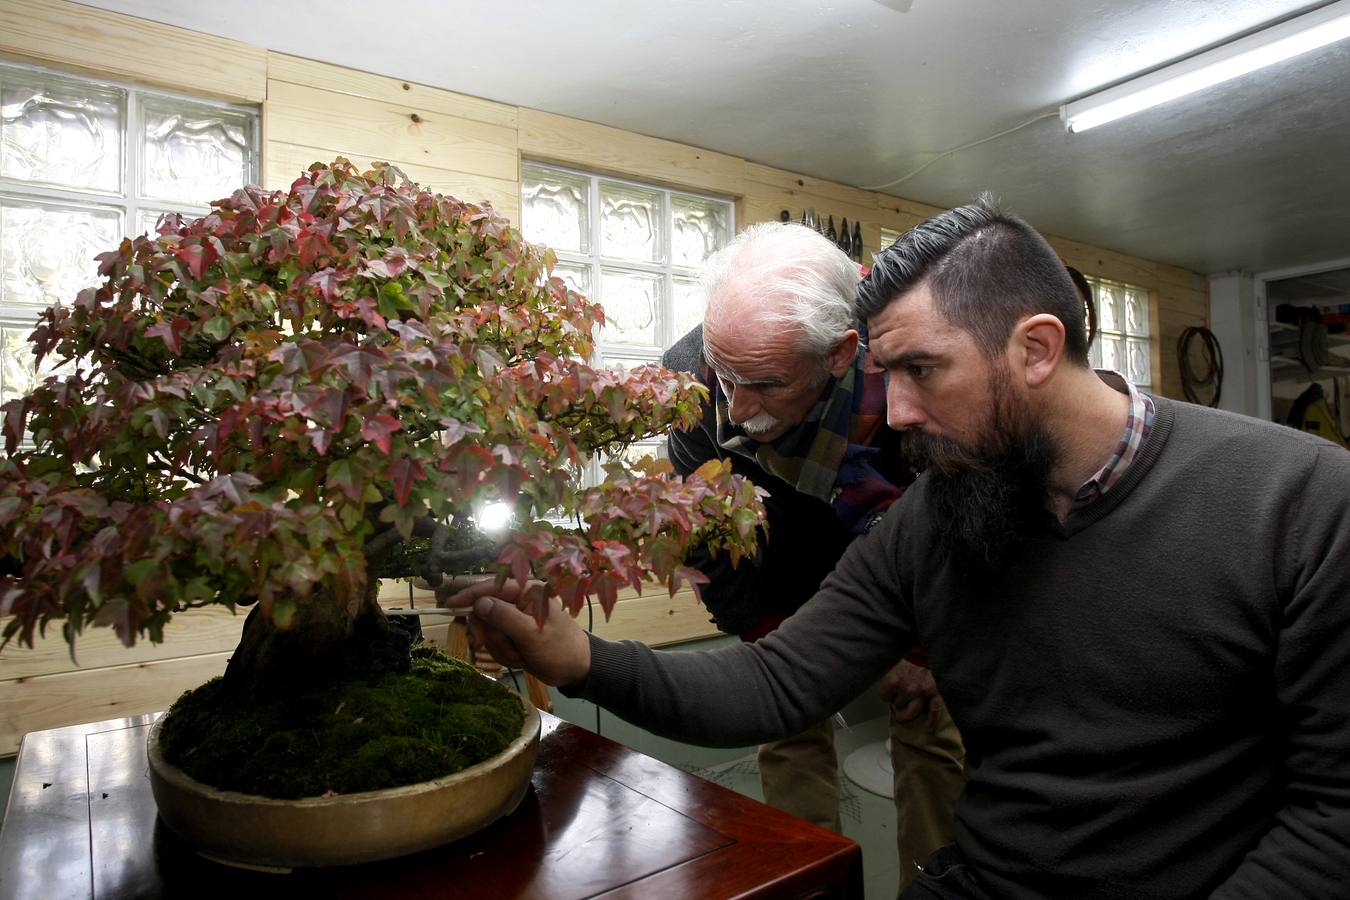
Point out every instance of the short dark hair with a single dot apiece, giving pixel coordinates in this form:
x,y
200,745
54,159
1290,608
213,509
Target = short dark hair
x,y
986,269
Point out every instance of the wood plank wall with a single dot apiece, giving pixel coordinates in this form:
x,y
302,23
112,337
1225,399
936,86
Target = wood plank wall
x,y
46,688
461,145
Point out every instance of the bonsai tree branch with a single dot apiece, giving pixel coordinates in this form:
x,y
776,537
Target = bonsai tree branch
x,y
440,559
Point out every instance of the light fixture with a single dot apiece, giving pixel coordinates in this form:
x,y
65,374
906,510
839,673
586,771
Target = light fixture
x,y
1279,42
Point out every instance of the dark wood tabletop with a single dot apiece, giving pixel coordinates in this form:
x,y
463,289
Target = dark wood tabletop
x,y
599,819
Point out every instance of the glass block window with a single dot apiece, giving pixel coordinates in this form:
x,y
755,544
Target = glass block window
x,y
84,162
635,248
1123,341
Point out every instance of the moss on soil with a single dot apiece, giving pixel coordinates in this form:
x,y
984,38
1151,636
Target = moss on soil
x,y
439,717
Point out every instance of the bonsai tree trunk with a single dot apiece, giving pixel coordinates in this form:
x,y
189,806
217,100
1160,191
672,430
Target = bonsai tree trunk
x,y
324,643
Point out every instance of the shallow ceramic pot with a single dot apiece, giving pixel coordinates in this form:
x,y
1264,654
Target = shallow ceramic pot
x,y
243,829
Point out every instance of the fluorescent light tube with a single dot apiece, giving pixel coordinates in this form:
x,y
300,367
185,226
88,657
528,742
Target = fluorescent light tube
x,y
1316,29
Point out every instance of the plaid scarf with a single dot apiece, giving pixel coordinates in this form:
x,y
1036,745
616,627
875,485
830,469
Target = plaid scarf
x,y
829,455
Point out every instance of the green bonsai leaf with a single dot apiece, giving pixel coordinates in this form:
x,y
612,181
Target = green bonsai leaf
x,y
274,402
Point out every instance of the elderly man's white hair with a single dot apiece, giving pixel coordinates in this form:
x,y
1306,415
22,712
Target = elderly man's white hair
x,y
791,277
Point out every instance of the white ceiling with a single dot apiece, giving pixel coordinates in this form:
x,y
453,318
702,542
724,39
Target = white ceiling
x,y
1251,175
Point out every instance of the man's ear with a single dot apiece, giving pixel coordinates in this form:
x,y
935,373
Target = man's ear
x,y
843,354
1038,344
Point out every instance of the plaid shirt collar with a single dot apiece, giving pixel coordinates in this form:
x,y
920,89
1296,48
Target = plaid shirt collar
x,y
1138,424
832,454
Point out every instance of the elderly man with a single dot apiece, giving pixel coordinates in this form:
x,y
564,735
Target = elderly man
x,y
1135,608
797,407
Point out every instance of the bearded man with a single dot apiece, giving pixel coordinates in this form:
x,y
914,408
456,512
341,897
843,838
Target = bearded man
x,y
798,407
1134,608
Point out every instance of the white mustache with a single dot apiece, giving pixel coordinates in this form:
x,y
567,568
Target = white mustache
x,y
760,424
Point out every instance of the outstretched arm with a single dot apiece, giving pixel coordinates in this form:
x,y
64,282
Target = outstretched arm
x,y
731,696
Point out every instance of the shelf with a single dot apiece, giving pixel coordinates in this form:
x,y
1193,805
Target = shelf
x,y
1285,365
1280,363
1289,369
1342,338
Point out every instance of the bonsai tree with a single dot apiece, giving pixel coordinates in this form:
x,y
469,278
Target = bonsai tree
x,y
277,403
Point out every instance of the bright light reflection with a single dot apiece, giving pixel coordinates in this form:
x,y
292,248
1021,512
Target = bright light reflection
x,y
494,517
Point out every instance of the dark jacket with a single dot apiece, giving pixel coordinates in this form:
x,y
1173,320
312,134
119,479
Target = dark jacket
x,y
805,537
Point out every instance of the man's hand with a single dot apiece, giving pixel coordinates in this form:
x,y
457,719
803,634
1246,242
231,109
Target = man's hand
x,y
910,691
557,653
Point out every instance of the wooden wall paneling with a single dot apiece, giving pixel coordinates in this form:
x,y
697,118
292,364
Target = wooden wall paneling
x,y
190,633
1182,302
123,48
43,688
831,191
323,76
763,205
871,238
313,117
551,138
896,215
69,698
768,191
654,618
1168,333
1102,264
283,163
1158,375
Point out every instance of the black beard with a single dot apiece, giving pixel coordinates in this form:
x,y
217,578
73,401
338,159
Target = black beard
x,y
983,499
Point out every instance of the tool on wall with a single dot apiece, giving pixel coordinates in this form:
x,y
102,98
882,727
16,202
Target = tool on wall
x,y
1211,357
849,242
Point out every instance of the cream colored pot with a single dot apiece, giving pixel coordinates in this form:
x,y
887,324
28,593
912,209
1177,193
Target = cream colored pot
x,y
242,829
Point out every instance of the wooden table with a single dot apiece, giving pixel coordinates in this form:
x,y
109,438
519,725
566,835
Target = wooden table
x,y
600,819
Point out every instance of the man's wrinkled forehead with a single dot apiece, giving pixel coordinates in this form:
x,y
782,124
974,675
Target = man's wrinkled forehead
x,y
718,367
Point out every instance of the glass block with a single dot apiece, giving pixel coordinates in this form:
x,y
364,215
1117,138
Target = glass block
x,y
555,209
47,250
1138,362
193,153
687,304
1136,313
61,132
17,376
634,452
630,300
630,455
1095,353
147,220
630,223
1108,308
17,373
577,277
1113,353
700,227
629,362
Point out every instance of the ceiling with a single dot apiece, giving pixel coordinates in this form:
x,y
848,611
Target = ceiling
x,y
1251,175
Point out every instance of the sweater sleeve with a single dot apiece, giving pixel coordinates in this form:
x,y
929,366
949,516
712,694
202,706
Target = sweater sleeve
x,y
1306,852
843,639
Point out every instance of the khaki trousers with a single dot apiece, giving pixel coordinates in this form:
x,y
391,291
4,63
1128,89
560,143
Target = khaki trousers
x,y
928,761
800,775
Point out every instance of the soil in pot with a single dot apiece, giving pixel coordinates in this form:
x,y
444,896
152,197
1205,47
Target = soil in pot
x,y
437,718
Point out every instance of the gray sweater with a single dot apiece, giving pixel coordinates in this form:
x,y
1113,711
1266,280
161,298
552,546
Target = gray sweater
x,y
1155,696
